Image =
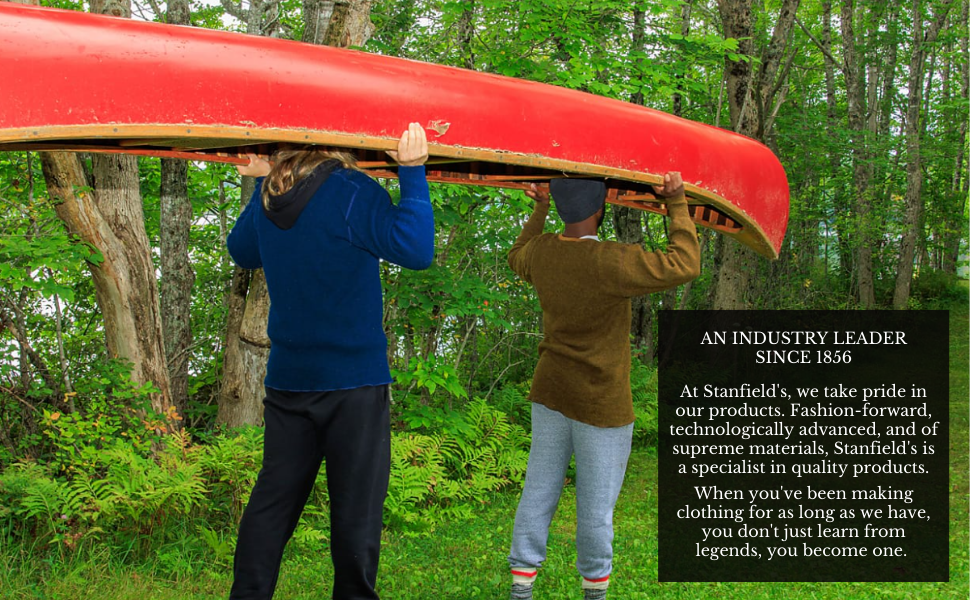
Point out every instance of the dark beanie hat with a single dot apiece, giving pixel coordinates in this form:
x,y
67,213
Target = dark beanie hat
x,y
577,199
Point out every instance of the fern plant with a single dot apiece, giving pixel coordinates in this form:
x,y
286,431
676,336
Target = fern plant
x,y
436,476
416,468
230,464
45,502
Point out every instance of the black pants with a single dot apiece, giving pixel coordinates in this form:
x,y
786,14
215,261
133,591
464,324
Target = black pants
x,y
350,429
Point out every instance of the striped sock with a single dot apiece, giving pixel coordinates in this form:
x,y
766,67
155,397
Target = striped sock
x,y
595,589
522,580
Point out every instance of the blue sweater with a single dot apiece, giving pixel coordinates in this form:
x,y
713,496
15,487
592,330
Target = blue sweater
x,y
326,311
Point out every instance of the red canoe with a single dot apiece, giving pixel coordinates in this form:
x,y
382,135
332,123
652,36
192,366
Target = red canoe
x,y
75,81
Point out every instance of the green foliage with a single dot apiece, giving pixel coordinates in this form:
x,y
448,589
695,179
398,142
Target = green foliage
x,y
430,374
416,468
439,475
230,463
109,411
492,455
643,383
131,497
934,289
31,262
127,497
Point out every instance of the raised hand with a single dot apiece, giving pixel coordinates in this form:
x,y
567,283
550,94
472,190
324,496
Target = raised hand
x,y
540,195
257,167
673,185
412,148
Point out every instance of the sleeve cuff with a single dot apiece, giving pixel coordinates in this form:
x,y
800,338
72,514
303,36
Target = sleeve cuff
x,y
414,182
677,200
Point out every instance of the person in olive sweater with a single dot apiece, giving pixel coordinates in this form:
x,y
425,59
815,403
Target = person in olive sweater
x,y
581,399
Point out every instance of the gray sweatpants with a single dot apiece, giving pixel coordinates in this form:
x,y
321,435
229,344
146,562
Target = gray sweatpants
x,y
601,459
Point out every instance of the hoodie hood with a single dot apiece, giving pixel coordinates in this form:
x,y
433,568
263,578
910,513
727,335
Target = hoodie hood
x,y
285,209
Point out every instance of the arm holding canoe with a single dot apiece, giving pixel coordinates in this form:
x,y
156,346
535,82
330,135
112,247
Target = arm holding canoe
x,y
642,272
402,234
243,242
519,256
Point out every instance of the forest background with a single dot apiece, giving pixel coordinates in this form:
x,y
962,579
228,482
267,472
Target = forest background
x,y
132,351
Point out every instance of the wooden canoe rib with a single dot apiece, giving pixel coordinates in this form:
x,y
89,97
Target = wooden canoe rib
x,y
87,83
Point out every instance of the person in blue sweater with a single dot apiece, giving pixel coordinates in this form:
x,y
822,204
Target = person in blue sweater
x,y
318,228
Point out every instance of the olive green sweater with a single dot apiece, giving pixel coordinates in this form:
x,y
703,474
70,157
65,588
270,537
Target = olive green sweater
x,y
584,287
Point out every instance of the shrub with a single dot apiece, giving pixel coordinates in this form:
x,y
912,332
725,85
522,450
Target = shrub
x,y
129,499
110,410
230,463
937,289
643,383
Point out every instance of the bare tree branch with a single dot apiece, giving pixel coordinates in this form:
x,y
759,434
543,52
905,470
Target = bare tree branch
x,y
821,47
235,9
35,359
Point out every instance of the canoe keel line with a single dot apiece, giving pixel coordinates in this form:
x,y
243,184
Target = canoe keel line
x,y
82,88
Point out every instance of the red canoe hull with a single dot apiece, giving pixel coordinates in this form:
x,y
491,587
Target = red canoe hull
x,y
79,81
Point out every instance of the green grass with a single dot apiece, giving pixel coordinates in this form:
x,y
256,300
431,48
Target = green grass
x,y
465,560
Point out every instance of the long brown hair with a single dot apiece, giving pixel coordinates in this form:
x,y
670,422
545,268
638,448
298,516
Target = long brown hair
x,y
291,164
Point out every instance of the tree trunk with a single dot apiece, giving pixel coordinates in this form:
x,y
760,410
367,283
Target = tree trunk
x,y
111,220
175,286
350,25
627,222
861,164
316,20
244,363
748,102
736,21
466,30
839,202
955,223
685,10
914,175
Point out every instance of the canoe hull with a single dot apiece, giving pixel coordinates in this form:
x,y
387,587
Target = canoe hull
x,y
95,83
